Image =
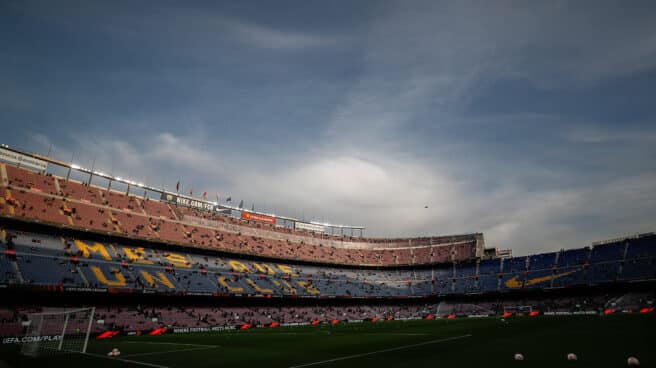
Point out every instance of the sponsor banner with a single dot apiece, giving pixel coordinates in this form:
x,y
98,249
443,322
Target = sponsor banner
x,y
22,160
257,217
586,313
310,227
186,202
557,313
90,290
478,316
203,329
198,293
408,318
193,220
295,324
30,339
577,313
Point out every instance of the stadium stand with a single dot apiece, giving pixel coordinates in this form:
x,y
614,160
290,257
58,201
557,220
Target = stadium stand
x,y
45,198
79,263
135,318
66,237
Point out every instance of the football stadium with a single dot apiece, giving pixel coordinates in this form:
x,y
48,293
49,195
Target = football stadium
x,y
329,184
161,279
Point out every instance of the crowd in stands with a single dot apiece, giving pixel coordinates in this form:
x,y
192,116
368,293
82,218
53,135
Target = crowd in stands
x,y
50,199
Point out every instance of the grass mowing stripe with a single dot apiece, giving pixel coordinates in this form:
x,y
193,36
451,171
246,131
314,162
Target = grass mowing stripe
x,y
125,360
170,351
381,351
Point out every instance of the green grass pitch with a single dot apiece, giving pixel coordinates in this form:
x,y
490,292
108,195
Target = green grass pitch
x,y
544,341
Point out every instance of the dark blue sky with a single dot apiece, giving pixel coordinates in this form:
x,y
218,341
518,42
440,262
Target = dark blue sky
x,y
533,122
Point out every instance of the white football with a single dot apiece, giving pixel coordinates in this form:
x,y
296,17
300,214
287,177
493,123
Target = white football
x,y
519,356
572,356
633,362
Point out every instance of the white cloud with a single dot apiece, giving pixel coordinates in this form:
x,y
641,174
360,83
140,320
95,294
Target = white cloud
x,y
386,191
272,38
182,152
367,168
593,134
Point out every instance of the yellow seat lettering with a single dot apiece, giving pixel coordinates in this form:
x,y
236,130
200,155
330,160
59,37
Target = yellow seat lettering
x,y
287,270
239,267
178,260
100,276
136,255
309,287
159,279
264,268
234,289
86,249
258,287
285,287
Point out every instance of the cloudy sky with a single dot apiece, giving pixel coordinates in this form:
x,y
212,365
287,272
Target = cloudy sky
x,y
533,122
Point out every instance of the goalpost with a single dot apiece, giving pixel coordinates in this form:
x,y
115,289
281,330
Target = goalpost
x,y
54,332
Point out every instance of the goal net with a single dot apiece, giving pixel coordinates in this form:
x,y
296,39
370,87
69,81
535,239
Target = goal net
x,y
517,309
58,331
463,308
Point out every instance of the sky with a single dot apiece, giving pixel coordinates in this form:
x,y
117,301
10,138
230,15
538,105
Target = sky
x,y
533,122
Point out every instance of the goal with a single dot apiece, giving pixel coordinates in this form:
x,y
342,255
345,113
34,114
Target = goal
x,y
58,331
463,308
518,309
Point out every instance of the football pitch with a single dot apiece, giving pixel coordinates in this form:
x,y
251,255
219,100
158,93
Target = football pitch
x,y
544,341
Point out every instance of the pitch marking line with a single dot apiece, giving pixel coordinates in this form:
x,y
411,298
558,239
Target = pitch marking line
x,y
170,351
392,333
166,343
126,360
381,351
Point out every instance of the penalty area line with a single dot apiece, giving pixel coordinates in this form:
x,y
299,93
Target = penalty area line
x,y
170,351
381,351
126,360
167,343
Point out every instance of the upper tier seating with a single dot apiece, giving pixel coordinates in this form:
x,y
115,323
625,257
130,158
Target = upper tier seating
x,y
35,196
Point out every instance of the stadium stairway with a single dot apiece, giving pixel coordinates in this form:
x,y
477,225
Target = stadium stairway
x,y
3,174
17,271
57,186
82,276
